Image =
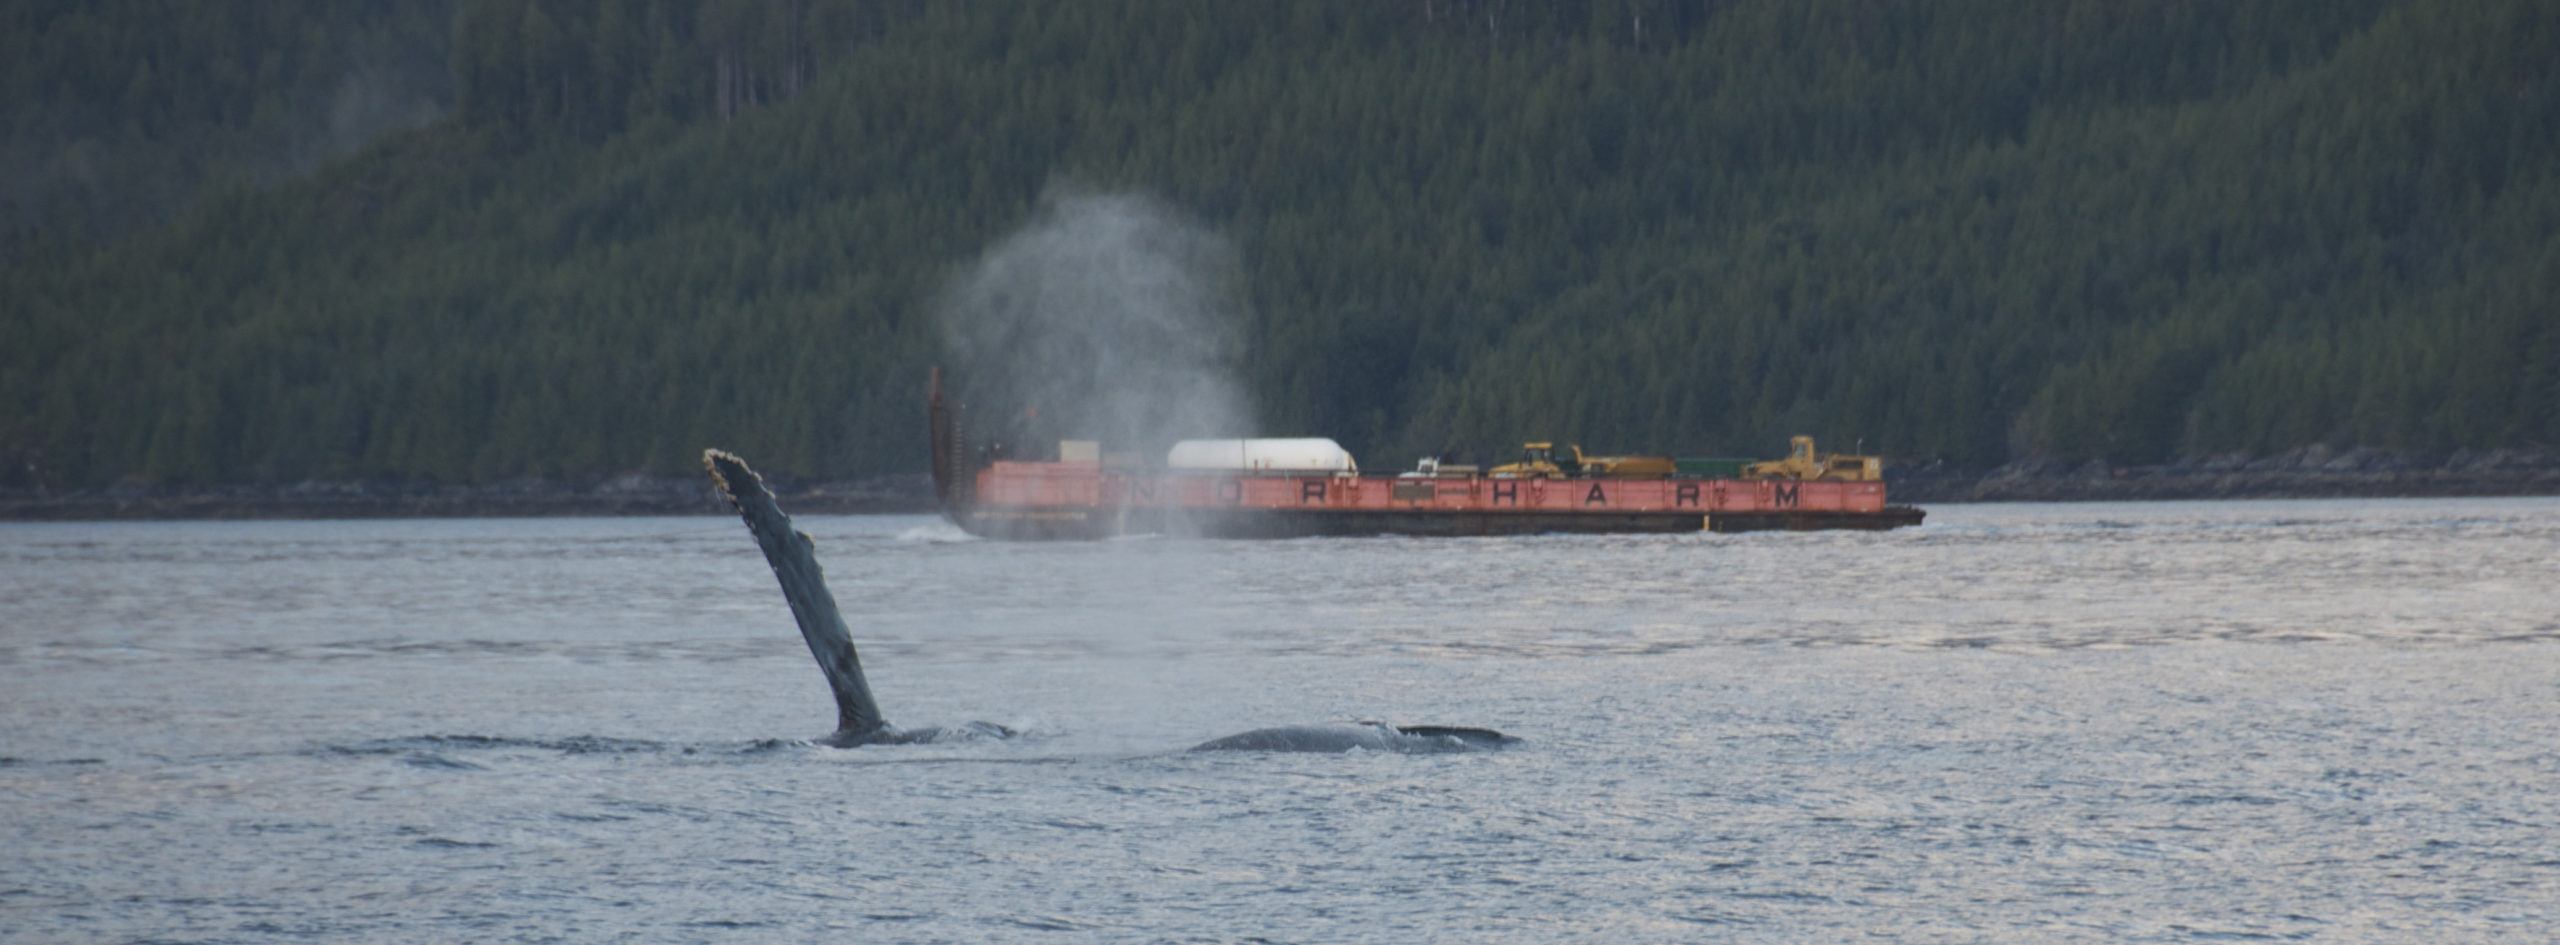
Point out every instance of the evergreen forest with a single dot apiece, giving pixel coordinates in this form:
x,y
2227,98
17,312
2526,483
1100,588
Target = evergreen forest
x,y
486,240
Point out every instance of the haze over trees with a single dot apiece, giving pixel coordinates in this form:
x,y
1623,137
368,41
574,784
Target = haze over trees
x,y
1961,230
120,112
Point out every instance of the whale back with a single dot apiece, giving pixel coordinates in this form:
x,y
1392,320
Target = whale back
x,y
1369,736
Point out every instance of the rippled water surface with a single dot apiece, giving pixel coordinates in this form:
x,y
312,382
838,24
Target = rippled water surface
x,y
2321,721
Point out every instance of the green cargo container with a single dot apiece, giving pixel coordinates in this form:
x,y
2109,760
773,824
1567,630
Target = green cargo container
x,y
1710,468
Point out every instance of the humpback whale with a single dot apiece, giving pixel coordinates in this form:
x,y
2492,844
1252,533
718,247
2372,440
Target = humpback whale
x,y
793,557
1374,736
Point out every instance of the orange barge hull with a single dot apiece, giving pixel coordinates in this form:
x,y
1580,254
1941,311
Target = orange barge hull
x,y
1082,499
1071,500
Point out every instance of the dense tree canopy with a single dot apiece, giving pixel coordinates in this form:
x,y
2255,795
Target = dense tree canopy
x,y
1957,229
122,111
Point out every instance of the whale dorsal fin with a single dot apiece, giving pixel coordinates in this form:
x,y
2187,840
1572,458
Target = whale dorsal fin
x,y
795,563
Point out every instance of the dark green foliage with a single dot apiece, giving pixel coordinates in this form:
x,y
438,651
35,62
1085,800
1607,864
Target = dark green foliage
x,y
1959,229
121,111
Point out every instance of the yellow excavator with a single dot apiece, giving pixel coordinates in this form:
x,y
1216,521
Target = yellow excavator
x,y
1803,463
1543,460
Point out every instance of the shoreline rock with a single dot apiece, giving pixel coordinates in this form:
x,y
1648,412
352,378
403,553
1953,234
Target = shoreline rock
x,y
621,495
2313,472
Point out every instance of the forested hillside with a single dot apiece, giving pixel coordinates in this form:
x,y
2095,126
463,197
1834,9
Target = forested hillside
x,y
120,112
1969,230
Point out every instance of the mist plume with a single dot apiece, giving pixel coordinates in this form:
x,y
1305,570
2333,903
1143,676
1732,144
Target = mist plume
x,y
1108,317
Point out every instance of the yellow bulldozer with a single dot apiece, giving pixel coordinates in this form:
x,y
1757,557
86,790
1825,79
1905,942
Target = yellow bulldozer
x,y
1543,460
1803,463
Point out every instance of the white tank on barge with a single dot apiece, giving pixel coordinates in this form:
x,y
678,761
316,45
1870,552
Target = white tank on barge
x,y
1274,456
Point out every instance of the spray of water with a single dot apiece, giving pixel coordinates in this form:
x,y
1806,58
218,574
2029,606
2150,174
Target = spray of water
x,y
1109,317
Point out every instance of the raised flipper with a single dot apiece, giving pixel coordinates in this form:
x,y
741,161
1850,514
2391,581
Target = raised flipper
x,y
795,563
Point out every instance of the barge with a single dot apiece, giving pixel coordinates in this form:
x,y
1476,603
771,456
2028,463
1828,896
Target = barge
x,y
1311,487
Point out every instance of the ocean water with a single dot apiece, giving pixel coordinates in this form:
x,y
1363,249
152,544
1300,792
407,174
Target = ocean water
x,y
2327,721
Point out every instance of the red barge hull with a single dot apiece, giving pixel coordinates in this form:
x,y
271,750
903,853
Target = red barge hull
x,y
1030,501
1085,500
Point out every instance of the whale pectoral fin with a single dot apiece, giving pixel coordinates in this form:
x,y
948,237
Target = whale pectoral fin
x,y
793,556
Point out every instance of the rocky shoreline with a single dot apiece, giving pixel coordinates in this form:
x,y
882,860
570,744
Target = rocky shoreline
x,y
624,495
2311,472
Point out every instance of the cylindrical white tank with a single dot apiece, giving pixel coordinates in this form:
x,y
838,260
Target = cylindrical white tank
x,y
1298,454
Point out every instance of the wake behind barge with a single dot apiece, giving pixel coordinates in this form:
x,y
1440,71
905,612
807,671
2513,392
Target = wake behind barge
x,y
1080,496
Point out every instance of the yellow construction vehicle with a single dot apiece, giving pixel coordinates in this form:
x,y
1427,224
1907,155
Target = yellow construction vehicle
x,y
1543,460
1803,463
